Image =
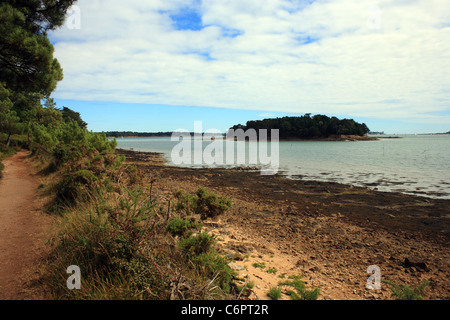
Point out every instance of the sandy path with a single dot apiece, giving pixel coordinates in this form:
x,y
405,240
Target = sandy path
x,y
22,230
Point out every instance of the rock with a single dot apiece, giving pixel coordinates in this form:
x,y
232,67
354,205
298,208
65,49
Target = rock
x,y
379,258
236,267
417,265
230,256
303,264
239,247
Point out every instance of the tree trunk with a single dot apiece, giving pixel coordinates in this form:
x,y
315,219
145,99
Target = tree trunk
x,y
8,140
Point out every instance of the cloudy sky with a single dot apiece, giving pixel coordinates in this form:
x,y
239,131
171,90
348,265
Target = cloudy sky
x,y
158,65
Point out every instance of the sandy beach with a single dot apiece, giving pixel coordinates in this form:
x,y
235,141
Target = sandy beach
x,y
328,233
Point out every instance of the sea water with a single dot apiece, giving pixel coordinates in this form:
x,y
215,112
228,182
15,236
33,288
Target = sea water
x,y
412,164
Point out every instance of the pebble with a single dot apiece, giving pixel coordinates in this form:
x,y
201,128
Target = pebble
x,y
236,266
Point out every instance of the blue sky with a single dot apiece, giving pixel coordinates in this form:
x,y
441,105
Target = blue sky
x,y
161,65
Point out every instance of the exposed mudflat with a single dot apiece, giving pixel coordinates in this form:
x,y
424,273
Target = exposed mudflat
x,y
329,233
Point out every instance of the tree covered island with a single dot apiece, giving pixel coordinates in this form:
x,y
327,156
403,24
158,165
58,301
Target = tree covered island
x,y
307,127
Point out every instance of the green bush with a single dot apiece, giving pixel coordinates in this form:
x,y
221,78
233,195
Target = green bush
x,y
114,246
274,293
203,203
196,245
209,205
182,227
300,293
404,292
198,251
75,187
116,232
261,265
214,266
185,202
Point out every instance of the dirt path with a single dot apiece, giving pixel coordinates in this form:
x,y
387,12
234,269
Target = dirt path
x,y
22,230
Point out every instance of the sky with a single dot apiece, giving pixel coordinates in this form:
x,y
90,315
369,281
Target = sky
x,y
160,65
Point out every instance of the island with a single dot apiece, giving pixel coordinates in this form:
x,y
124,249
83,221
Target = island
x,y
117,134
307,127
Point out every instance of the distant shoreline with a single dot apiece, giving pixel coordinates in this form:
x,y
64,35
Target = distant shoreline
x,y
433,134
330,138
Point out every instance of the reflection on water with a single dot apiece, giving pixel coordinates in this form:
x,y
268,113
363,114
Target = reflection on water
x,y
412,164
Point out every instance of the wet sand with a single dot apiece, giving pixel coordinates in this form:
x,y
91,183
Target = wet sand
x,y
330,233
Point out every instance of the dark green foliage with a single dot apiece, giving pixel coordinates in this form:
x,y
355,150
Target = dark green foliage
x,y
203,203
116,134
114,244
307,127
26,54
209,205
206,261
28,71
74,187
8,117
182,227
404,292
300,293
274,293
66,141
214,266
196,245
4,153
42,15
184,202
69,114
198,248
124,252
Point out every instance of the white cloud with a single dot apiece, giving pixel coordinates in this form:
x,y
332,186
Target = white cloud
x,y
267,115
365,58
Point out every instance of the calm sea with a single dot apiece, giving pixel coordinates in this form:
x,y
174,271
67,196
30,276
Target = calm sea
x,y
412,164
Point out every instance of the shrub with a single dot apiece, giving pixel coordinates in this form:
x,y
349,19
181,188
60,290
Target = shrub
x,y
206,261
261,265
196,245
246,289
207,205
300,293
182,227
272,270
184,202
274,293
403,292
116,233
120,255
74,187
214,266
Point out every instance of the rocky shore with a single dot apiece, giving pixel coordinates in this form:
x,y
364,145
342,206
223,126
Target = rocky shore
x,y
326,232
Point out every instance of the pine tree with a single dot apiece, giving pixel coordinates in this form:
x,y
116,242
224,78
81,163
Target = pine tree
x,y
28,70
